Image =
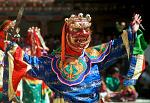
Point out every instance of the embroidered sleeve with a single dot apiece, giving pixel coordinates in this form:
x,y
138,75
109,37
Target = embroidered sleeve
x,y
98,53
119,48
137,61
41,66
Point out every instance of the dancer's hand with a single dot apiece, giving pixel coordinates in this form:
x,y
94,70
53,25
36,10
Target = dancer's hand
x,y
136,22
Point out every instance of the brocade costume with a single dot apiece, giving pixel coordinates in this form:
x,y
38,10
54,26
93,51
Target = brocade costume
x,y
74,72
80,80
34,90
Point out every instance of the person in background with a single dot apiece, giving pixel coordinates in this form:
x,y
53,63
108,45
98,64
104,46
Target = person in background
x,y
35,90
7,33
116,91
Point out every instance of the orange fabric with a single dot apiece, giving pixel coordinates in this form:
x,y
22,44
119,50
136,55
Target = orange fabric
x,y
63,43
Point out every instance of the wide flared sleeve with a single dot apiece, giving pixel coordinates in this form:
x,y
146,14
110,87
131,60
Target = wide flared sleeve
x,y
137,60
14,69
108,53
17,64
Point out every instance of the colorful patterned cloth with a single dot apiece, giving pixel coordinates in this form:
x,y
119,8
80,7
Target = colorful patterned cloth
x,y
79,79
33,87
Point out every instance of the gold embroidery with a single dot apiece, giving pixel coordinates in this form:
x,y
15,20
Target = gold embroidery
x,y
92,52
72,67
124,36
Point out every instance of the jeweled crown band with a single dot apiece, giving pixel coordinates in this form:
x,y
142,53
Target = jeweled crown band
x,y
78,17
72,21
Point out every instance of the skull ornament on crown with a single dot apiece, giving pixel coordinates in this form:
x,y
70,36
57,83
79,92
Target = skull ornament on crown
x,y
78,32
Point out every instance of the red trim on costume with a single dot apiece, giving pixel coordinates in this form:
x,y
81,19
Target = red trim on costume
x,y
19,70
1,89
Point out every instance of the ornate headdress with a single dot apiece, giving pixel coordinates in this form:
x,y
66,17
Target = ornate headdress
x,y
4,27
5,24
78,18
73,22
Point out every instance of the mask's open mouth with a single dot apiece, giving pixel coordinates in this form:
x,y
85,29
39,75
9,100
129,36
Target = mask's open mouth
x,y
78,42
